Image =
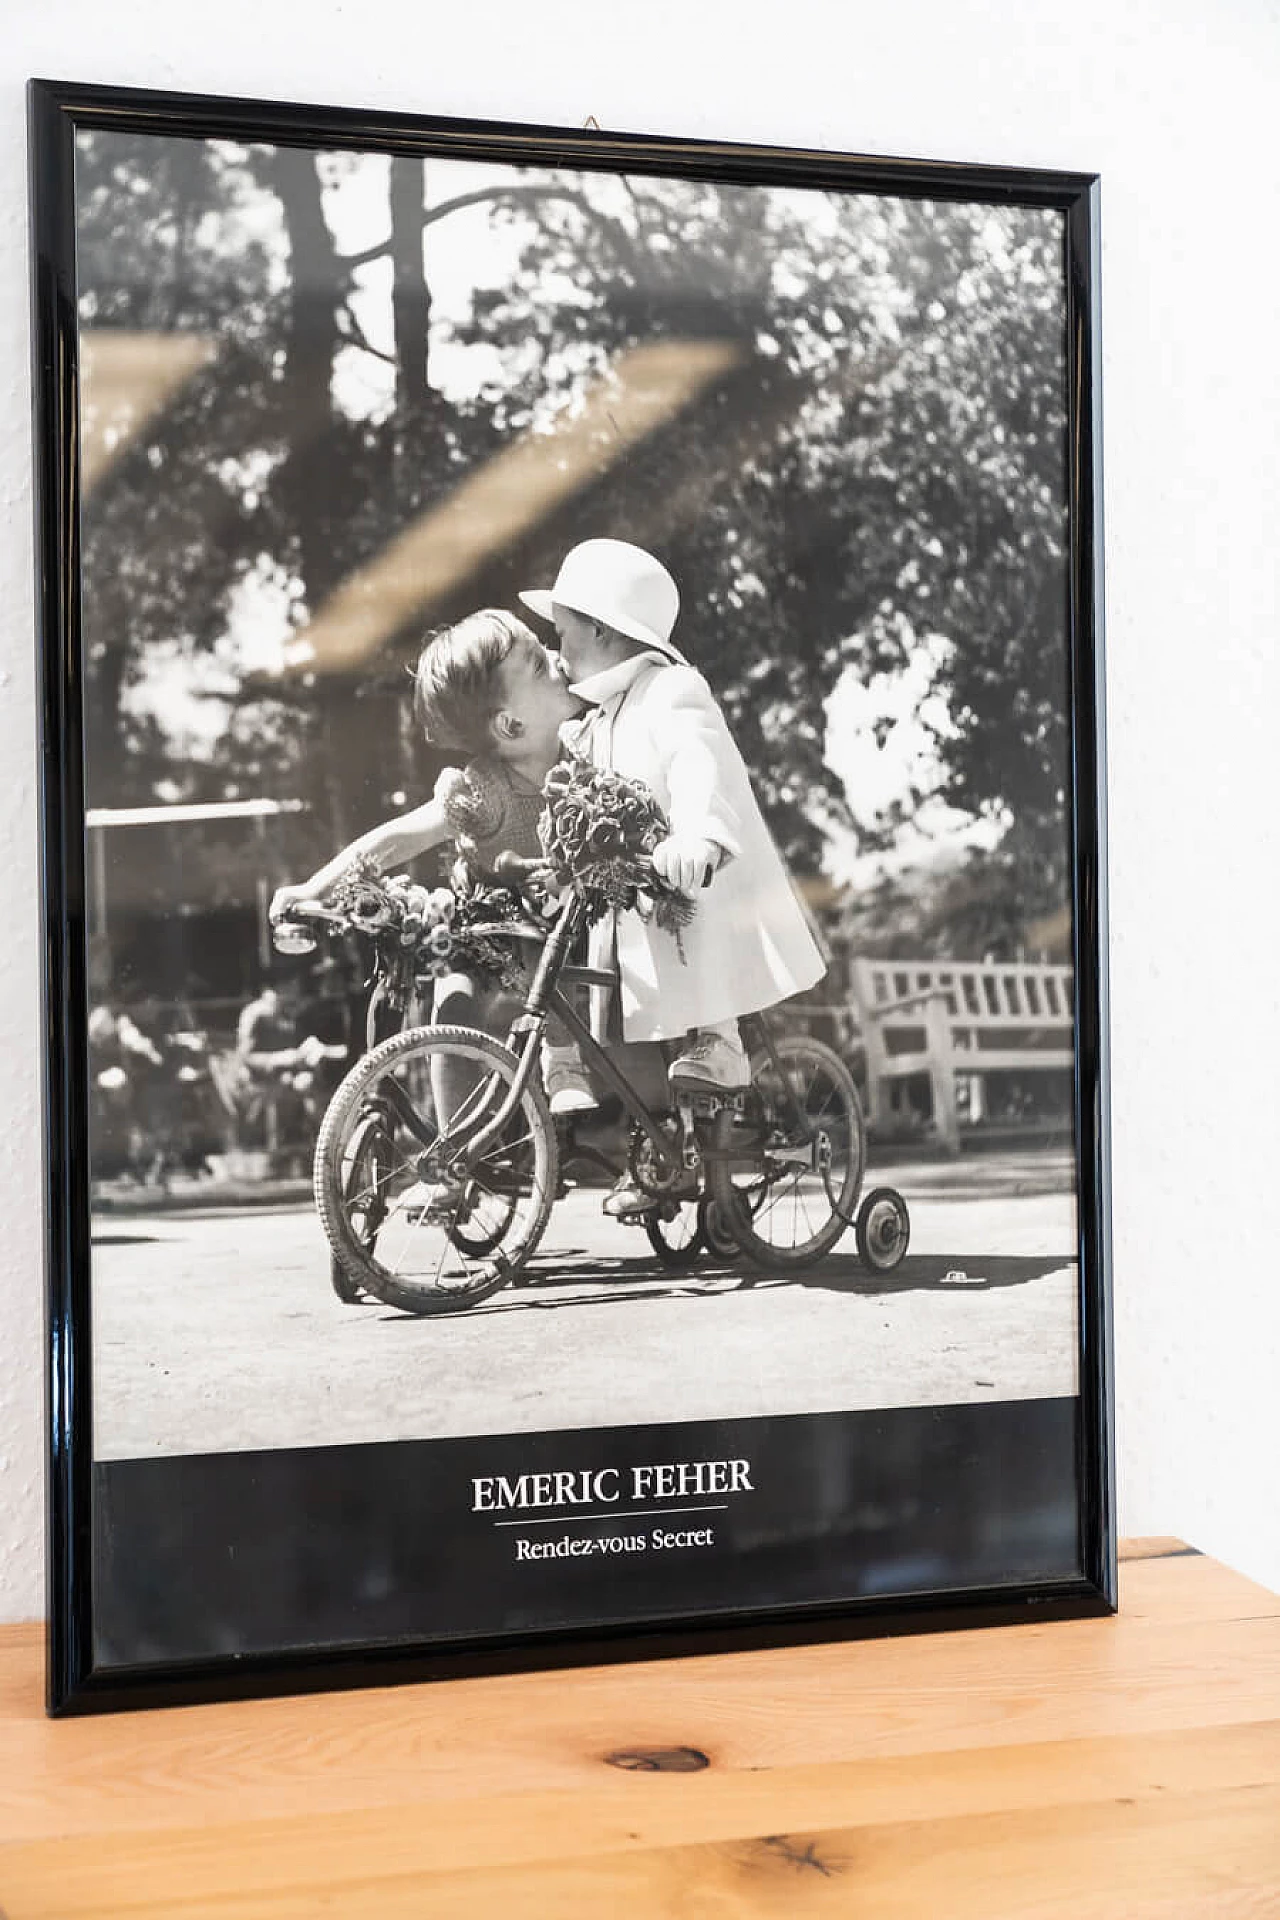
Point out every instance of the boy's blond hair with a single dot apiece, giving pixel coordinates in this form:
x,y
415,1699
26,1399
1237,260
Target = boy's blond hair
x,y
457,685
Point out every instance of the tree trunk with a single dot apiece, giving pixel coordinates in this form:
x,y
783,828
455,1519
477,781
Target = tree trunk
x,y
410,300
417,412
308,482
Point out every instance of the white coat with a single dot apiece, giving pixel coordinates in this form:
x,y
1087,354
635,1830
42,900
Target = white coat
x,y
749,944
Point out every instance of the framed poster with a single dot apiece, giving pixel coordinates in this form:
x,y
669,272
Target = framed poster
x,y
576,1093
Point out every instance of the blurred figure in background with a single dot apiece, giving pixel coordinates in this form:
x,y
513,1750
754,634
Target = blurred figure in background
x,y
279,1099
121,1062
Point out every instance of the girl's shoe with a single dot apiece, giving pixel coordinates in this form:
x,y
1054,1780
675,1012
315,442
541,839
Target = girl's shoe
x,y
626,1201
709,1060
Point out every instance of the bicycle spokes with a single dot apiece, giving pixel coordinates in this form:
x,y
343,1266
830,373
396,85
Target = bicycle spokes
x,y
788,1185
435,1204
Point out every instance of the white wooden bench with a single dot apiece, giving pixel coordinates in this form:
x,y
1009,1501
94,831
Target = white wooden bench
x,y
954,1019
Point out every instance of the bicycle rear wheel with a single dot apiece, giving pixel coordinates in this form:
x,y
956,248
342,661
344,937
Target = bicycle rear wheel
x,y
442,1217
674,1230
788,1184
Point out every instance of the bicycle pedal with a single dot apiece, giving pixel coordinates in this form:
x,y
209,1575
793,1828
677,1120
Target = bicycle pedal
x,y
703,1103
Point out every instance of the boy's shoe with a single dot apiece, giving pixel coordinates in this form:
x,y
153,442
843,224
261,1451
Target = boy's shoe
x,y
709,1060
567,1085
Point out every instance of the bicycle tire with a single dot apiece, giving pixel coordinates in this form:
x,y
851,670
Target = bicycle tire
x,y
883,1230
721,1243
747,1214
364,1136
676,1257
441,1293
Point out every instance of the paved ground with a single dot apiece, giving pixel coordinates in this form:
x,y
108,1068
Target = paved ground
x,y
217,1330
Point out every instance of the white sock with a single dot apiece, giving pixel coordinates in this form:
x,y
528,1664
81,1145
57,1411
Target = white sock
x,y
564,1057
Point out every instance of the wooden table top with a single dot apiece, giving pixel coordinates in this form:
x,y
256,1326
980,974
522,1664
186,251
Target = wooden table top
x,y
1093,1768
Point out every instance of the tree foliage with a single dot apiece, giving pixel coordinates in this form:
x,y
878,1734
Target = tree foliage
x,y
884,469
911,485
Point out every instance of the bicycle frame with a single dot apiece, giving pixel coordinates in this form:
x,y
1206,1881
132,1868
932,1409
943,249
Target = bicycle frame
x,y
543,998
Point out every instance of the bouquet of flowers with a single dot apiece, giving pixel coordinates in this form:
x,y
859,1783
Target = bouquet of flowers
x,y
422,932
597,831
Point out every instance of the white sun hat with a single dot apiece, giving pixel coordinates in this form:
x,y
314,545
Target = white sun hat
x,y
621,586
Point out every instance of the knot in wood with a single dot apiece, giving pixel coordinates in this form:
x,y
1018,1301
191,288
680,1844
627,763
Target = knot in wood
x,y
658,1759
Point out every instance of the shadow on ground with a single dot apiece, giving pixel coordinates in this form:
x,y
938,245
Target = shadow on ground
x,y
581,1279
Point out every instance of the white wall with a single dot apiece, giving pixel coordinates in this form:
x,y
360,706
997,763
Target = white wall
x,y
1173,101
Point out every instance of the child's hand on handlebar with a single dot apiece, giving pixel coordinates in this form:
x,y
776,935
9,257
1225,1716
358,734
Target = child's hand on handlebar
x,y
285,899
532,880
684,862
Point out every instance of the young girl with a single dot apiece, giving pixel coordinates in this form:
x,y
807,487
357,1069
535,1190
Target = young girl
x,y
489,688
653,717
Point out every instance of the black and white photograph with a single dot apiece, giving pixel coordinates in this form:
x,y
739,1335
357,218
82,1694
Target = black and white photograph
x,y
587,815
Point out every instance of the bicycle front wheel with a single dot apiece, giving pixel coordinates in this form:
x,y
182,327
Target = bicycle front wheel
x,y
362,1185
787,1185
441,1216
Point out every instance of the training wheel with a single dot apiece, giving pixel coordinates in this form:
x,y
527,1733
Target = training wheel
x,y
882,1229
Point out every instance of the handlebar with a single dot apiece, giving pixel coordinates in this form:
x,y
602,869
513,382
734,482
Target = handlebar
x,y
513,870
289,931
510,870
308,910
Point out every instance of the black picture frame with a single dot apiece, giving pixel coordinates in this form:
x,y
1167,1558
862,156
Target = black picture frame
x,y
103,1526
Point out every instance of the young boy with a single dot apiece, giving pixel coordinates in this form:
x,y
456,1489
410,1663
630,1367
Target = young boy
x,y
653,717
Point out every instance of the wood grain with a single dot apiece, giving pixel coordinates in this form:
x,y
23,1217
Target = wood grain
x,y
1126,1767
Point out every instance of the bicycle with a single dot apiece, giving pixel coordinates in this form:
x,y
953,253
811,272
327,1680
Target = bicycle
x,y
772,1173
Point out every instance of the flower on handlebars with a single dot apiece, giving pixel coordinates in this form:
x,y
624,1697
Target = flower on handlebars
x,y
366,906
605,837
597,829
420,934
571,821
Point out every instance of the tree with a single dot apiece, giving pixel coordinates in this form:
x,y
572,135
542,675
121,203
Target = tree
x,y
883,469
912,486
